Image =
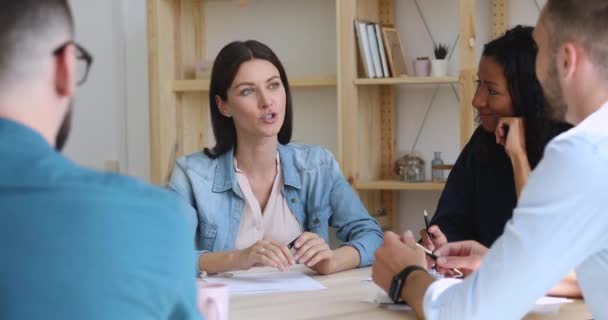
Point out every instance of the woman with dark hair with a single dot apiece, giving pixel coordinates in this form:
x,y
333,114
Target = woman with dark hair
x,y
484,185
254,195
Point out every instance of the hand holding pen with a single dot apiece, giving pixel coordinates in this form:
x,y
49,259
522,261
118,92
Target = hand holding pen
x,y
443,269
464,255
265,253
312,251
433,238
436,240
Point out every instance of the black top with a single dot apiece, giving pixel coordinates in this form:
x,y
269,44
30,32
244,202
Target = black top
x,y
479,195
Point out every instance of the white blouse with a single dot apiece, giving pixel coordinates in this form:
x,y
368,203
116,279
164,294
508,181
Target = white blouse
x,y
276,222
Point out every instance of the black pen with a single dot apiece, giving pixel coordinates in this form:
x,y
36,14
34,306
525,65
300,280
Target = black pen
x,y
292,243
426,223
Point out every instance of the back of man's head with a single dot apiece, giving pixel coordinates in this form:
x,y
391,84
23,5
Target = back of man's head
x,y
582,21
29,31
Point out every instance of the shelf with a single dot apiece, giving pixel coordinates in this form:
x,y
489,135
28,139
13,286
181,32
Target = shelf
x,y
406,80
202,85
399,185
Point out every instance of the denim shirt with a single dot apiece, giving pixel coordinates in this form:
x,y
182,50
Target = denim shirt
x,y
313,186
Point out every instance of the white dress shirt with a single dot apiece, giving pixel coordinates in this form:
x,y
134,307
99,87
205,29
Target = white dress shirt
x,y
560,224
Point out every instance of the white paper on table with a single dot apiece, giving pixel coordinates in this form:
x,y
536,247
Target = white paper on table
x,y
549,305
544,305
382,300
267,282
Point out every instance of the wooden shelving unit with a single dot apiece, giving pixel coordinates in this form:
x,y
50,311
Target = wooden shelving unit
x,y
202,85
367,106
366,118
405,81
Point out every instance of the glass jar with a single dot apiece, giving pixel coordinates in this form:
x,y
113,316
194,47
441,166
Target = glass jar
x,y
414,170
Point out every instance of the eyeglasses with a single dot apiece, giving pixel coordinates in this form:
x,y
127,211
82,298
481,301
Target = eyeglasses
x,y
84,60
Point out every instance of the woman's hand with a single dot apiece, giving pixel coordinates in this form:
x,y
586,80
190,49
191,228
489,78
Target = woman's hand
x,y
314,252
266,253
437,240
511,133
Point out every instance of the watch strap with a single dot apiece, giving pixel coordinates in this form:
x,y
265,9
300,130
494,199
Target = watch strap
x,y
399,281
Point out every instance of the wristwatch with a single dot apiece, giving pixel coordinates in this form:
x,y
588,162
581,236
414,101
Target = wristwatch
x,y
399,281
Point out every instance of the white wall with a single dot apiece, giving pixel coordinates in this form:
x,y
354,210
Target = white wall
x,y
97,133
136,54
111,110
303,36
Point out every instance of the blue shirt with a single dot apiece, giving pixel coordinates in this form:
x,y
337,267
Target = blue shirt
x,y
315,190
77,244
560,224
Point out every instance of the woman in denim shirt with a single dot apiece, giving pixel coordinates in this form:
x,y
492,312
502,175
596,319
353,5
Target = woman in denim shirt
x,y
254,192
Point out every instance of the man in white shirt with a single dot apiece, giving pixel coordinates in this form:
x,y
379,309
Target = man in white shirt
x,y
560,222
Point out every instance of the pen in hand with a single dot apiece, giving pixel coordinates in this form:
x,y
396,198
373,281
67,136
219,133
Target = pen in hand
x,y
430,254
292,244
426,223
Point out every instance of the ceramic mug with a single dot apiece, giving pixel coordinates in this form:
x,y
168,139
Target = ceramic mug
x,y
212,300
422,68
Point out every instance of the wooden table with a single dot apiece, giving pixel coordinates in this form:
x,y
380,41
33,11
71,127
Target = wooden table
x,y
343,299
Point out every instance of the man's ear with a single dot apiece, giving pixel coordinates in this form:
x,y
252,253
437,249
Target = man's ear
x,y
65,72
567,60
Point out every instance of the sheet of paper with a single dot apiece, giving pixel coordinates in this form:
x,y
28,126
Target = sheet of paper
x,y
267,282
383,301
549,305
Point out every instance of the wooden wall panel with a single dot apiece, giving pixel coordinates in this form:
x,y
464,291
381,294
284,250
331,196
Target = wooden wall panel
x,y
192,108
468,64
162,69
500,17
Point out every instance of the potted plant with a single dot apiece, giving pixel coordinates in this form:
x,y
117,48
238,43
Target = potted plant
x,y
439,65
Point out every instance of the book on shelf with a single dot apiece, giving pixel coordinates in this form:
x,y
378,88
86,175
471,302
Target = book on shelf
x,y
364,48
373,44
373,50
385,70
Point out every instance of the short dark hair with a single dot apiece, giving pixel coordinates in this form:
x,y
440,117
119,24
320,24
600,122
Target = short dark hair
x,y
23,23
225,68
582,21
516,53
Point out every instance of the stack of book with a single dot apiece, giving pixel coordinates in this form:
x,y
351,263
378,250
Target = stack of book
x,y
380,51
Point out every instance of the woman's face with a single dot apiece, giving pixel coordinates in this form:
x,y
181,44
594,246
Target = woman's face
x,y
256,100
492,99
